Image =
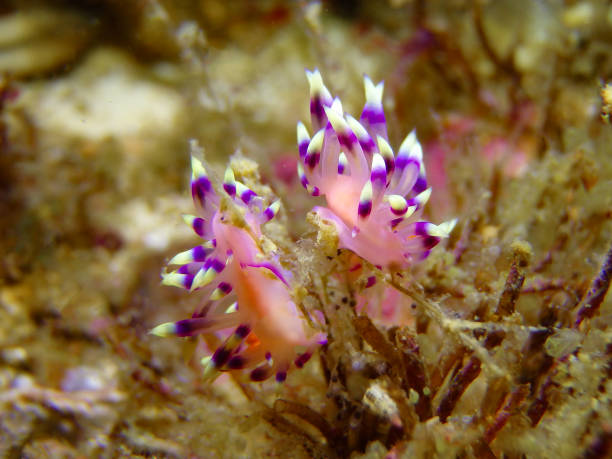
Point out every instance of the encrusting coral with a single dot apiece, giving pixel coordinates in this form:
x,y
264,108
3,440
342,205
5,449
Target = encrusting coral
x,y
242,287
374,198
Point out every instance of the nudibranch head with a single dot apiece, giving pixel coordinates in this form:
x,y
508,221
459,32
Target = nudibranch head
x,y
244,288
374,197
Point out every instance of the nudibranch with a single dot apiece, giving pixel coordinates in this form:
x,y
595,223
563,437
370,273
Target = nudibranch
x,y
245,290
374,197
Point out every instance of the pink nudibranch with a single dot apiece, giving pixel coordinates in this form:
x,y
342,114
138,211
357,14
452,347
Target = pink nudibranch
x,y
244,289
374,197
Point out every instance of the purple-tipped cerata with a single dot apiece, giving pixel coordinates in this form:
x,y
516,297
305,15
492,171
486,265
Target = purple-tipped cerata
x,y
244,289
374,196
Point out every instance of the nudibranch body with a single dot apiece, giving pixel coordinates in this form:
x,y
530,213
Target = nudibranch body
x,y
374,197
245,288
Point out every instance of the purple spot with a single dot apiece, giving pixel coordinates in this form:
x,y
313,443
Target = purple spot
x,y
347,140
269,213
224,287
397,212
312,160
420,185
187,281
303,148
183,269
302,359
198,226
268,356
304,181
373,115
281,376
183,327
368,145
425,254
340,168
371,281
203,183
315,191
215,264
230,189
199,253
396,221
389,164
420,228
403,161
221,356
242,331
355,268
199,188
316,109
260,373
247,195
364,209
379,175
189,327
430,241
236,363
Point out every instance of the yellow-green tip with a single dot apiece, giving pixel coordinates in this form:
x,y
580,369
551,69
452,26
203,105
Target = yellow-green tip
x,y
164,330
